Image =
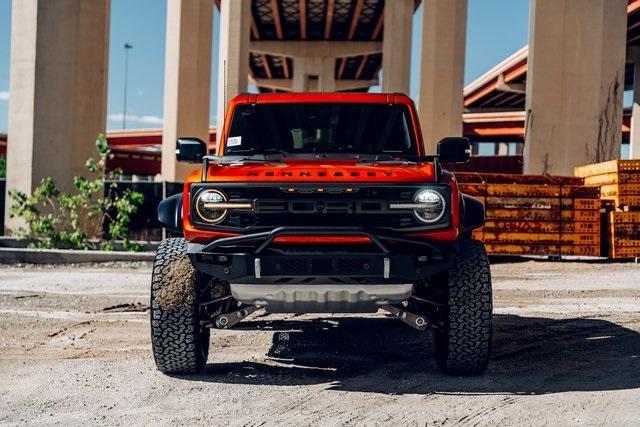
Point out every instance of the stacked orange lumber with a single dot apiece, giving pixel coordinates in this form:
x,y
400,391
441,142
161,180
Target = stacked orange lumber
x,y
536,215
624,232
619,180
619,183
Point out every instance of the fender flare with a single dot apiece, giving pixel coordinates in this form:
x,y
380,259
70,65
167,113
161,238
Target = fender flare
x,y
170,213
471,213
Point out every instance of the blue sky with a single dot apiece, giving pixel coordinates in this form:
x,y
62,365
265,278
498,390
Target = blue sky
x,y
495,29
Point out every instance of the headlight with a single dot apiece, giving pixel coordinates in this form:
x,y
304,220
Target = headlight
x,y
208,206
429,206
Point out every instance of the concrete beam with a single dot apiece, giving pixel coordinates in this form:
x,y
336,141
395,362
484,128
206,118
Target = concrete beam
x,y
396,51
301,49
340,85
59,63
442,57
233,62
187,81
575,82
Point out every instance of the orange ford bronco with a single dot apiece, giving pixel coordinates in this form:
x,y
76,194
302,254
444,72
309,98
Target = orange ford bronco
x,y
322,203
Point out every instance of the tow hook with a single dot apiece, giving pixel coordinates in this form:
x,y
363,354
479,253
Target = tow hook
x,y
228,320
414,320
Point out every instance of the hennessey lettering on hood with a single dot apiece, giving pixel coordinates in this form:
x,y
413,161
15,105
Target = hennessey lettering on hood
x,y
320,171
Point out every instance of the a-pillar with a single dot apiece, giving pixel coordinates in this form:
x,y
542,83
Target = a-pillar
x,y
396,47
575,82
187,81
634,136
233,62
442,58
59,63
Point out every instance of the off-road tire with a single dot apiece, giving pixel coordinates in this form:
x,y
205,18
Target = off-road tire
x,y
179,344
463,340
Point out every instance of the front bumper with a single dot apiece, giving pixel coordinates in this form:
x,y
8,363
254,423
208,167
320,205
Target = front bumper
x,y
321,278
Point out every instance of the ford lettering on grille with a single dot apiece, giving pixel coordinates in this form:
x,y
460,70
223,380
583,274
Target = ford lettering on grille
x,y
308,206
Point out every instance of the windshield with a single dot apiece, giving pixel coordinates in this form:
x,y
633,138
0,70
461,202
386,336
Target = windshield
x,y
321,128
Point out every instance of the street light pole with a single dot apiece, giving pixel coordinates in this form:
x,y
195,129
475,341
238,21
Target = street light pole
x,y
126,47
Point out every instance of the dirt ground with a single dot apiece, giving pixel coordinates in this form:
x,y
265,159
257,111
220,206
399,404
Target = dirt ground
x,y
74,349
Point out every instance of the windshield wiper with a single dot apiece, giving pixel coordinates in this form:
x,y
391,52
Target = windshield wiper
x,y
271,156
283,153
386,159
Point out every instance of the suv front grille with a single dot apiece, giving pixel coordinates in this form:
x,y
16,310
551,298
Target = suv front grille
x,y
282,204
247,219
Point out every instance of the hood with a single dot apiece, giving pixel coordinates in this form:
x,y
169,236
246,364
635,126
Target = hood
x,y
321,171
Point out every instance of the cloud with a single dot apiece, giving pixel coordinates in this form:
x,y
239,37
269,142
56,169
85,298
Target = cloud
x,y
132,118
4,95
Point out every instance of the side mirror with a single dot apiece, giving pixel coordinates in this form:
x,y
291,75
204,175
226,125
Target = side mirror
x,y
454,150
190,150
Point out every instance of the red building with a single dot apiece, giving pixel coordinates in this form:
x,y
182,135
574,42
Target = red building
x,y
137,152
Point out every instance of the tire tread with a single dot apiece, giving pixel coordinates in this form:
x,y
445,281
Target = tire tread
x,y
178,344
463,345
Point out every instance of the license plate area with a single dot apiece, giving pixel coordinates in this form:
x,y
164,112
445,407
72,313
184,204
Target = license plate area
x,y
372,265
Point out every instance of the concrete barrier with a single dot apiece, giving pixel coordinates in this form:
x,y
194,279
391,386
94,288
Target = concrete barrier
x,y
3,185
12,242
65,256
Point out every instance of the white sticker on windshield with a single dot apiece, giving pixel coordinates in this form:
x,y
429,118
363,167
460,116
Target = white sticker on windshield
x,y
234,141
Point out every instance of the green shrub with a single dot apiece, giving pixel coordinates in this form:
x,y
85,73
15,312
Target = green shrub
x,y
54,219
3,167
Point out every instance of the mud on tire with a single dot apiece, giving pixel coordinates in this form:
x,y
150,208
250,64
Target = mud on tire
x,y
463,343
179,344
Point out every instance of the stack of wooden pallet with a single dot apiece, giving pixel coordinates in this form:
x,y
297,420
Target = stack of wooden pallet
x,y
619,183
536,215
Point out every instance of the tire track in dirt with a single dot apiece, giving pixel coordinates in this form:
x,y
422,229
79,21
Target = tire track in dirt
x,y
479,416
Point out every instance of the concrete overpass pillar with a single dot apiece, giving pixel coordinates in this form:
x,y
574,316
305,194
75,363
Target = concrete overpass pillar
x,y
396,47
442,58
233,62
300,75
502,149
187,81
575,84
327,77
321,67
59,62
634,137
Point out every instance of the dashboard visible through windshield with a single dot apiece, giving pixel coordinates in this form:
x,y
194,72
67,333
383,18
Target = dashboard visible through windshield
x,y
310,128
